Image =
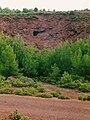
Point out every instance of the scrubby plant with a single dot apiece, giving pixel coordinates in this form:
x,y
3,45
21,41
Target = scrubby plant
x,y
44,95
55,71
19,83
26,91
5,84
66,78
84,98
63,97
17,116
55,93
66,81
84,87
6,90
40,88
2,78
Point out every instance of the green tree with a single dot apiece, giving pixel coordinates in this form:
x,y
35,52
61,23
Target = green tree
x,y
77,62
6,10
25,10
30,62
66,78
45,62
86,66
62,57
44,10
35,9
55,72
0,10
17,11
19,50
8,63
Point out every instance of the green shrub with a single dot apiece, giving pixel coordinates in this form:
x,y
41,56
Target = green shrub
x,y
84,87
6,91
19,92
5,85
55,93
70,85
84,98
26,79
63,97
77,77
66,78
88,97
26,91
80,98
2,78
17,116
39,87
54,72
44,95
19,83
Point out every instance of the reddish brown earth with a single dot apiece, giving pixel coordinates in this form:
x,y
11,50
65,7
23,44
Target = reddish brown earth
x,y
52,29
45,109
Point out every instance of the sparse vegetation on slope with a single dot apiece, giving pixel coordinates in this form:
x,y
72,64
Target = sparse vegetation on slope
x,y
25,86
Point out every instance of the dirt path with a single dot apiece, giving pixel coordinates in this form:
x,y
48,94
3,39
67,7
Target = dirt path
x,y
45,109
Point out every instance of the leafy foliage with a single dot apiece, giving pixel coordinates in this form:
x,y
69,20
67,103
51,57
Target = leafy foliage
x,y
8,63
67,65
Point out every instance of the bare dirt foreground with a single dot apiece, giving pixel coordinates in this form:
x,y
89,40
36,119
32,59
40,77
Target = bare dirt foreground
x,y
45,109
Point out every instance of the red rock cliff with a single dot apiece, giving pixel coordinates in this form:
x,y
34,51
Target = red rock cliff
x,y
45,30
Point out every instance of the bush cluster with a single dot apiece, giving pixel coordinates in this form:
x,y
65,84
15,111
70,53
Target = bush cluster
x,y
25,86
21,86
66,65
84,98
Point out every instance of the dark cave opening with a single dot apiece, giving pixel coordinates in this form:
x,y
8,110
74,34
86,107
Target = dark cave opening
x,y
35,33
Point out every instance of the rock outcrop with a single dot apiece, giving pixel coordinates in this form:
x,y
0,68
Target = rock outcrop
x,y
45,30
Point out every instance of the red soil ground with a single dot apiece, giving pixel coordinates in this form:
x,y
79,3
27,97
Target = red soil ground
x,y
45,109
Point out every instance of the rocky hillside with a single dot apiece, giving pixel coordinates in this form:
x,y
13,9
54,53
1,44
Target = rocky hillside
x,y
47,29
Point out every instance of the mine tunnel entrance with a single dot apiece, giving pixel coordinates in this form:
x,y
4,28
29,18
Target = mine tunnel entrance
x,y
35,33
